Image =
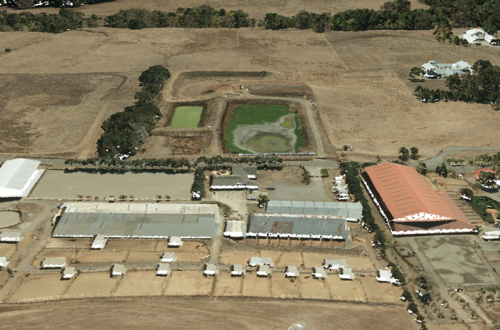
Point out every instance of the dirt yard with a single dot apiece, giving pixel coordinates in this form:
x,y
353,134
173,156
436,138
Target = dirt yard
x,y
227,285
312,288
357,263
283,287
346,290
141,283
189,283
91,285
381,292
97,256
7,250
254,286
40,287
204,313
55,243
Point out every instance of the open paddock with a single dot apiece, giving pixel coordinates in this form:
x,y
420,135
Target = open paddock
x,y
282,259
143,258
91,285
7,250
381,292
357,263
55,243
346,290
130,245
229,258
254,286
141,283
187,246
55,253
312,288
283,287
40,287
189,283
227,285
96,256
190,256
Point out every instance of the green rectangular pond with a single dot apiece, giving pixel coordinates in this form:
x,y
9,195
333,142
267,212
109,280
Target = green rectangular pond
x,y
186,116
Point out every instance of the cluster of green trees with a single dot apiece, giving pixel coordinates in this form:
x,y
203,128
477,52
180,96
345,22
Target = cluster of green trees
x,y
396,273
196,17
485,159
125,132
481,87
23,4
487,179
198,186
404,154
137,163
65,20
259,161
469,13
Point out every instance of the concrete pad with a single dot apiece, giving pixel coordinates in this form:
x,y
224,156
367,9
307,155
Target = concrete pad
x,y
189,283
141,283
227,285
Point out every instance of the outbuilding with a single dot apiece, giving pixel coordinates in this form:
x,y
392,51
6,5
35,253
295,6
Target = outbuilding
x,y
235,229
237,270
163,269
319,272
291,271
53,263
10,237
118,270
346,274
18,177
385,275
99,242
175,241
210,270
257,261
334,264
3,262
68,272
263,271
168,257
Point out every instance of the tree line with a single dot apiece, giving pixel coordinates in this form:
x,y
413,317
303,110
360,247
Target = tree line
x,y
24,4
259,161
481,87
136,163
125,132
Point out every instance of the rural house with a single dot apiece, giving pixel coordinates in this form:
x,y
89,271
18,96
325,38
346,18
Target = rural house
x,y
434,69
477,35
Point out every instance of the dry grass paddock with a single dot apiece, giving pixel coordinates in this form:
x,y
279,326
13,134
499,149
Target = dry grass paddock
x,y
55,243
189,283
40,287
312,288
99,256
346,290
141,283
91,285
357,263
381,292
283,287
227,285
7,250
254,286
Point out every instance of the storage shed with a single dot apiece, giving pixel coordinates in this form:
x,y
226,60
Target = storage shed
x,y
168,257
18,177
163,269
53,262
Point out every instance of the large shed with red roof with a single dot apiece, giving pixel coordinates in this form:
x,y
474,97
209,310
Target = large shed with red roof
x,y
410,205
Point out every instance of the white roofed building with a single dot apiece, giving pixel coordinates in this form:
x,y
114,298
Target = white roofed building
x,y
291,271
319,272
118,270
346,274
163,270
334,264
99,242
168,257
53,263
237,270
264,271
235,229
385,275
477,35
11,236
3,262
175,241
68,272
211,270
18,177
258,261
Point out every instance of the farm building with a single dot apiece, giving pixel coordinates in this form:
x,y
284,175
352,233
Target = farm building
x,y
18,177
235,229
319,272
99,242
334,264
241,177
264,271
210,270
349,211
168,257
68,272
491,235
297,226
346,274
385,275
138,220
291,271
10,236
175,241
53,263
118,270
433,69
237,270
163,270
257,261
3,262
477,35
409,205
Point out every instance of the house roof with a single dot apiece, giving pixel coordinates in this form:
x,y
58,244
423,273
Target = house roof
x,y
478,172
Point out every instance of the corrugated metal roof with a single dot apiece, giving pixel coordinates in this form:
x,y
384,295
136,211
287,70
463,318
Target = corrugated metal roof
x,y
14,174
347,210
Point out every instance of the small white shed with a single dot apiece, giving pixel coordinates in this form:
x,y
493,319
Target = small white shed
x,y
319,272
263,271
237,270
168,257
210,270
68,272
346,274
99,242
118,270
291,271
175,241
163,270
3,262
53,263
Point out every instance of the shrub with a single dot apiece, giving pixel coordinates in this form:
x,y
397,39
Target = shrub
x,y
136,24
8,50
324,173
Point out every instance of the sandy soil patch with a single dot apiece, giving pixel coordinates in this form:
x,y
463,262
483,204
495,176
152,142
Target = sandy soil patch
x,y
101,256
140,283
91,285
227,285
7,250
187,246
283,287
316,259
282,259
57,184
189,283
346,290
47,253
381,292
4,277
237,257
313,288
130,245
68,243
254,286
143,258
40,287
200,311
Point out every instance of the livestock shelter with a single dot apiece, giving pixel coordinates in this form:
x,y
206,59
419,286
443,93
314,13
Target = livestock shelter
x,y
350,211
292,271
11,237
118,270
297,226
3,262
134,220
99,242
346,274
18,177
168,257
242,177
68,272
319,272
409,205
235,229
334,264
59,262
163,270
237,270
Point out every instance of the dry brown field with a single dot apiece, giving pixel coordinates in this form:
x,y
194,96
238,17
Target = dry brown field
x,y
40,287
237,257
7,250
357,263
346,290
91,285
381,292
141,283
187,246
227,285
283,287
189,283
130,245
96,256
55,243
143,258
196,313
254,286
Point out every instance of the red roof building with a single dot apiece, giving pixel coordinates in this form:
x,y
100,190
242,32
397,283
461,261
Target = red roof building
x,y
411,206
478,172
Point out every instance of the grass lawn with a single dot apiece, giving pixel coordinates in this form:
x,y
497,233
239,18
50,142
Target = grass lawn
x,y
186,117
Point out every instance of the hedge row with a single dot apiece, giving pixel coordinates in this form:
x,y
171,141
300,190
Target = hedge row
x,y
125,132
24,4
198,186
137,163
